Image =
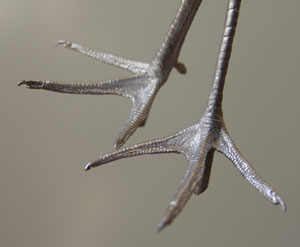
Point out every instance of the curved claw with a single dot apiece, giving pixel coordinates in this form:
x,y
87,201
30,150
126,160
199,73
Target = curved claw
x,y
32,84
64,43
276,200
88,166
282,204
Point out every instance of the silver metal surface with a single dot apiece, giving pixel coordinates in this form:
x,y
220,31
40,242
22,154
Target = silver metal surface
x,y
148,79
198,142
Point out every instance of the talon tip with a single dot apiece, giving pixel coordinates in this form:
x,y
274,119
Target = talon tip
x,y
20,83
117,145
63,43
282,204
87,167
162,224
32,84
160,227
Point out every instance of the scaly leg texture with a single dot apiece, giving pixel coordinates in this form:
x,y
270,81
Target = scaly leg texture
x,y
199,142
149,77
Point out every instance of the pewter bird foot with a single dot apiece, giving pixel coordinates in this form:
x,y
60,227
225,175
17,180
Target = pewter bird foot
x,y
141,88
197,143
148,77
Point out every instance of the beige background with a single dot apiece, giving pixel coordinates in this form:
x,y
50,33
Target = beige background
x,y
46,197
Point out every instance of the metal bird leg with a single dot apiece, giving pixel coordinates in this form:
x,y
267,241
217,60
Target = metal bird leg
x,y
148,77
199,141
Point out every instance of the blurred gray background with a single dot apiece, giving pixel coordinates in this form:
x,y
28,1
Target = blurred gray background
x,y
47,199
